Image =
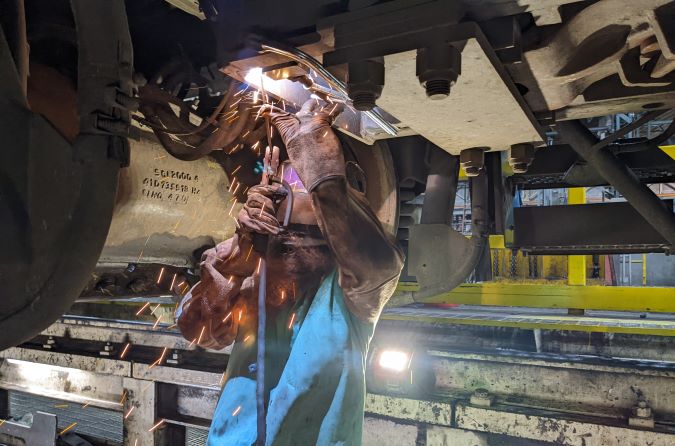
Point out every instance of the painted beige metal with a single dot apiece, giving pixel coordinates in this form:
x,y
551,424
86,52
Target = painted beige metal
x,y
554,430
409,409
564,65
447,436
65,383
607,390
167,208
465,119
380,432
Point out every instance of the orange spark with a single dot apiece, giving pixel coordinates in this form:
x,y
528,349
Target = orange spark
x,y
155,309
68,428
147,304
232,208
236,411
161,273
290,324
283,295
181,284
156,425
222,380
157,322
257,269
129,412
199,341
126,349
192,343
84,406
247,338
229,315
124,397
61,406
236,169
173,281
249,252
241,313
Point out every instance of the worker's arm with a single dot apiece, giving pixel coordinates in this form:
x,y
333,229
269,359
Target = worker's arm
x,y
369,261
208,312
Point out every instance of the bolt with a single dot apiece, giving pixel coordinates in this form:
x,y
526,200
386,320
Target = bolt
x,y
481,397
50,343
366,79
438,68
642,410
472,160
521,156
108,350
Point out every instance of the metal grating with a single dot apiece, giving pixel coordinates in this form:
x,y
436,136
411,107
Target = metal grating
x,y
195,436
92,421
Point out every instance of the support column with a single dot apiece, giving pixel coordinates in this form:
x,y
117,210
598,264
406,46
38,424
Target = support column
x,y
141,395
576,264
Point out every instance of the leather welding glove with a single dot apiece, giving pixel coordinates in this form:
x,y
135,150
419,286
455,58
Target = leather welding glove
x,y
259,213
313,148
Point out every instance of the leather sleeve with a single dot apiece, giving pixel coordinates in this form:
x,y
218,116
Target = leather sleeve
x,y
369,260
208,313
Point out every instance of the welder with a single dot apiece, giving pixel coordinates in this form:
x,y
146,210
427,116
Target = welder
x,y
330,272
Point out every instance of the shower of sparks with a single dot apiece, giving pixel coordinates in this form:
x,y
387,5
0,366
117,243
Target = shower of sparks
x,y
126,349
247,338
283,295
126,415
249,253
68,428
155,309
257,269
241,313
173,281
147,304
199,340
84,406
236,169
156,425
234,181
236,411
181,284
154,327
290,324
161,274
333,109
229,315
124,398
232,208
325,134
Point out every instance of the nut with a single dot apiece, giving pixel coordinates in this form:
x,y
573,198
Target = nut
x,y
521,156
481,397
472,160
438,68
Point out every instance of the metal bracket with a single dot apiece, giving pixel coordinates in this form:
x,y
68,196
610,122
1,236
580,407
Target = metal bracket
x,y
42,432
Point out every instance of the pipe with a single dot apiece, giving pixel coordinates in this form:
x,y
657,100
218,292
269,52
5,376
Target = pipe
x,y
439,196
618,175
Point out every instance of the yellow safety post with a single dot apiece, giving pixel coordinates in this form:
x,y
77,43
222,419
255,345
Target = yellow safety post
x,y
576,265
644,269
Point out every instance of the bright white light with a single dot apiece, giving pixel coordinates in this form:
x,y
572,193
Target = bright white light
x,y
394,360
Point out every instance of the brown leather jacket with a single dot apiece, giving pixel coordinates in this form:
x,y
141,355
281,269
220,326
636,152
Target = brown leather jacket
x,y
368,261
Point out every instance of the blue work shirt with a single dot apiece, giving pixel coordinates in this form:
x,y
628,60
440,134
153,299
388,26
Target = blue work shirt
x,y
315,375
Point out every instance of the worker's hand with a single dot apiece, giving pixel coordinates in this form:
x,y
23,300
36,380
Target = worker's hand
x,y
312,146
259,213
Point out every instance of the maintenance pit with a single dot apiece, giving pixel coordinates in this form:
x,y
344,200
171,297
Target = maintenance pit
x,y
437,375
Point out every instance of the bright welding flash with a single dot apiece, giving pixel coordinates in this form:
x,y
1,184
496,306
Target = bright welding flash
x,y
396,361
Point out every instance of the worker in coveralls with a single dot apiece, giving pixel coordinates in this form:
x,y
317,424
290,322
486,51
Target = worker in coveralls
x,y
329,275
